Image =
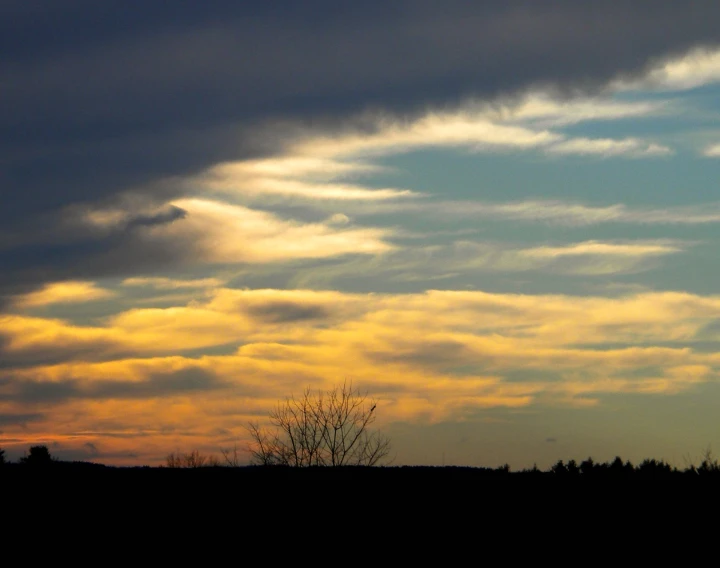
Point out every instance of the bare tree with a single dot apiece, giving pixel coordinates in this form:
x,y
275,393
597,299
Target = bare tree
x,y
38,456
321,429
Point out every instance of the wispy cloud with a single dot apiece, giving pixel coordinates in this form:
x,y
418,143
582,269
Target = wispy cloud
x,y
596,248
599,258
467,258
452,129
315,166
607,147
292,176
556,212
712,151
161,283
541,109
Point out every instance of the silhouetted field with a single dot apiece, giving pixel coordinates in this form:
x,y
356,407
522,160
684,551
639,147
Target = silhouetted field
x,y
492,500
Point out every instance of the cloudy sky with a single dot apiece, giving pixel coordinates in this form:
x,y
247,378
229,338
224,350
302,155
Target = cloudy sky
x,y
500,219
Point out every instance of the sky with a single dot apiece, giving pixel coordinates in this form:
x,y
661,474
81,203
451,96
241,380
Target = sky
x,y
498,219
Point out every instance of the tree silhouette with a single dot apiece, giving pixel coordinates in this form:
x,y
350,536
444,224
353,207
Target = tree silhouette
x,y
587,467
559,468
320,429
572,468
619,468
38,456
2,457
653,467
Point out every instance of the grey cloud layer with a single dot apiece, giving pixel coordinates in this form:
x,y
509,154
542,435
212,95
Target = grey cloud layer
x,y
162,384
98,96
124,86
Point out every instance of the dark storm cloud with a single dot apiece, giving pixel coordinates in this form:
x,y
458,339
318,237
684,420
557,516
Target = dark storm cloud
x,y
448,356
93,350
99,96
47,248
288,312
15,419
157,385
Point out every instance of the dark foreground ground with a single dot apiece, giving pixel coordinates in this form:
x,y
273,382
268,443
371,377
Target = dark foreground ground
x,y
422,515
586,470
400,477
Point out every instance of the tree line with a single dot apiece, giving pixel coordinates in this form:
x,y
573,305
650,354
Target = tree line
x,y
39,456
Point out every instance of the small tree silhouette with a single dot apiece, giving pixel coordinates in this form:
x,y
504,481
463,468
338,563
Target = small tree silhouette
x,y
2,457
572,468
619,468
38,456
653,467
587,467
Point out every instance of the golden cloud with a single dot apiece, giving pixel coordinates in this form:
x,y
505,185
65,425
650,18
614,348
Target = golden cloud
x,y
435,356
69,292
